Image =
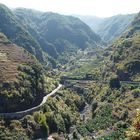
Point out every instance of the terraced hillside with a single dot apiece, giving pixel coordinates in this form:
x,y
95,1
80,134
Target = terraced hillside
x,y
20,77
48,36
114,104
123,60
11,56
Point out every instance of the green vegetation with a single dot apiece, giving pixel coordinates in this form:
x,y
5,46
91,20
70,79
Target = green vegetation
x,y
24,93
102,120
57,115
101,107
115,107
115,135
112,111
49,36
86,65
133,133
62,111
22,78
17,34
109,28
114,82
121,61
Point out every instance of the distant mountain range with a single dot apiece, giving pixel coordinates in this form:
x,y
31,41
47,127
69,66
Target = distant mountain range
x,y
29,38
37,49
109,28
48,36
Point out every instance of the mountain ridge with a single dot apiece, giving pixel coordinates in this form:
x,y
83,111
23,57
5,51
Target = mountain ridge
x,y
48,36
111,27
16,33
123,61
55,27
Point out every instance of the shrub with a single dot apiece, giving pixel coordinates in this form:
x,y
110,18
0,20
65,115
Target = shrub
x,y
136,93
114,82
94,106
133,133
41,119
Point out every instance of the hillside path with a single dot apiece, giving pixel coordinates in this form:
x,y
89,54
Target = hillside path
x,y
21,114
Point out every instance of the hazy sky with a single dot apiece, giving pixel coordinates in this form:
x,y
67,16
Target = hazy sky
x,y
101,8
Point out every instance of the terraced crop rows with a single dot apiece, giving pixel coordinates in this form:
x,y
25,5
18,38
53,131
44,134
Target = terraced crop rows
x,y
11,56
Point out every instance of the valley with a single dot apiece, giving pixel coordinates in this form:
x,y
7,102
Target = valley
x,y
69,77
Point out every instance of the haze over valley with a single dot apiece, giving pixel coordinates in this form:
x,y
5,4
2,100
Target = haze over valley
x,y
69,74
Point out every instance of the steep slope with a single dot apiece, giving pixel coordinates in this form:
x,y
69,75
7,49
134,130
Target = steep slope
x,y
125,53
109,28
57,34
29,19
122,63
92,21
112,27
62,27
21,78
17,34
114,104
48,36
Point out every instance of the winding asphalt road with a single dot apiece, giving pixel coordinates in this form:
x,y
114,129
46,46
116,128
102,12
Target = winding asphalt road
x,y
50,94
21,114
